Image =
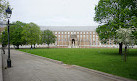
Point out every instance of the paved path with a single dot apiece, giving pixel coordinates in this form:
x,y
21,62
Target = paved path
x,y
27,67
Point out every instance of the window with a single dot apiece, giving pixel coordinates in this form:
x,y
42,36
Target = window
x,y
58,32
71,32
68,32
87,32
55,32
93,39
83,32
62,36
87,36
74,32
80,32
93,36
77,32
81,36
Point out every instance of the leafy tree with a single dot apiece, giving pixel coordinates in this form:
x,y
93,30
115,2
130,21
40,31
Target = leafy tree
x,y
48,37
31,33
16,34
134,23
114,14
4,39
3,6
125,35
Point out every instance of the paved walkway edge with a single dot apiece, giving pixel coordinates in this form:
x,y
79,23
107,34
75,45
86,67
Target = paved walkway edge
x,y
106,75
1,72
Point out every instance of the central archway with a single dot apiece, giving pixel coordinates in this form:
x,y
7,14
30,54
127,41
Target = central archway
x,y
73,42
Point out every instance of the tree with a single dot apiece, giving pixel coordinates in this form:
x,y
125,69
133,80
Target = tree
x,y
125,35
134,23
48,37
3,41
16,33
114,14
31,33
3,6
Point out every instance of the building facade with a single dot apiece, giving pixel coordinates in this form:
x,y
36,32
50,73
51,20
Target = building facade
x,y
75,36
76,39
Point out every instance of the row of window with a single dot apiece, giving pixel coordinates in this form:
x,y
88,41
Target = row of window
x,y
84,42
65,39
74,32
78,36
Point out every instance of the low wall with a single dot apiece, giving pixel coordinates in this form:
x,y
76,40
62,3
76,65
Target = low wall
x,y
1,74
66,46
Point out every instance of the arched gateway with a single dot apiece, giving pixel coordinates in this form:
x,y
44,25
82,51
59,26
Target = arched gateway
x,y
73,42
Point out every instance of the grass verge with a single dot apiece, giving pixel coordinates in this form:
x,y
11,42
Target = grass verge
x,y
102,59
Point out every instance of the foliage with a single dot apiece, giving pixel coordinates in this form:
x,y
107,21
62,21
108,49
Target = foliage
x,y
4,40
16,33
106,60
3,6
105,33
134,23
114,14
31,33
48,37
125,35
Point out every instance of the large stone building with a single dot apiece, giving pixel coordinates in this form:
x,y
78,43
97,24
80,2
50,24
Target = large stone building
x,y
74,36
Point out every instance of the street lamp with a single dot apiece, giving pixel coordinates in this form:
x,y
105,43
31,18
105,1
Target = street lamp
x,y
8,13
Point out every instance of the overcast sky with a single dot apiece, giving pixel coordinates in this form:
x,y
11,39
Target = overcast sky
x,y
54,12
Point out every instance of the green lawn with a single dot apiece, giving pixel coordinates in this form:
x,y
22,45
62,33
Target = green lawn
x,y
106,60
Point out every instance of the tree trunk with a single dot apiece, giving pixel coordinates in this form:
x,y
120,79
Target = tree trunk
x,y
17,47
48,46
34,45
31,46
120,48
125,55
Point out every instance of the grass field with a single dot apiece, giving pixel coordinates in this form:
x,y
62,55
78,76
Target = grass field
x,y
105,60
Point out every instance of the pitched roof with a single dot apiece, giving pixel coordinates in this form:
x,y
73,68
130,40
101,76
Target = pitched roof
x,y
69,28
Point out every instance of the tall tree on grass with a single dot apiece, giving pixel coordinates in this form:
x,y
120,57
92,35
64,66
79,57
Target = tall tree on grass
x,y
126,36
16,33
31,33
48,37
114,14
